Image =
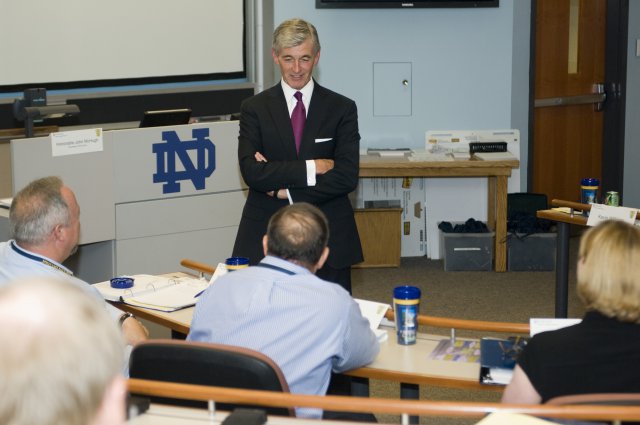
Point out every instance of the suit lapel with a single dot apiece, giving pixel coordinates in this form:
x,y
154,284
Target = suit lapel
x,y
312,125
280,114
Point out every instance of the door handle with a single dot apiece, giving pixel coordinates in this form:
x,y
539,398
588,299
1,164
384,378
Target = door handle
x,y
597,98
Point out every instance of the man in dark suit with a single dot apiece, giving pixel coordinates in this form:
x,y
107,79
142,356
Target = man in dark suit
x,y
283,160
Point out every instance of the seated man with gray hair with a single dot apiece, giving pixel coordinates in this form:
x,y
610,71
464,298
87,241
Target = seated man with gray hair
x,y
44,220
61,358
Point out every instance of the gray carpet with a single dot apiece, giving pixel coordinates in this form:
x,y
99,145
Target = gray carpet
x,y
508,297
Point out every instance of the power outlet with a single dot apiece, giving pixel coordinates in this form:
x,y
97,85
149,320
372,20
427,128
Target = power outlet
x,y
638,48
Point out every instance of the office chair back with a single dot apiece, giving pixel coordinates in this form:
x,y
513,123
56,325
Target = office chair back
x,y
207,364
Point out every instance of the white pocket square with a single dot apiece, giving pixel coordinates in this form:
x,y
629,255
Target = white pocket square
x,y
323,140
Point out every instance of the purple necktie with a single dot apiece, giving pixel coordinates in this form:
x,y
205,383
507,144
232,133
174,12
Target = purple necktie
x,y
298,117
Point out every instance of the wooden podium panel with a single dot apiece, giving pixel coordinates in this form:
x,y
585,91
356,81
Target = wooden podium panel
x,y
379,230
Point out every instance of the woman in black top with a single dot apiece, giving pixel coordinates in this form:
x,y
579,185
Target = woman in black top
x,y
602,353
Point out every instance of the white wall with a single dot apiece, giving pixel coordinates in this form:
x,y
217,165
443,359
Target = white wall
x,y
461,64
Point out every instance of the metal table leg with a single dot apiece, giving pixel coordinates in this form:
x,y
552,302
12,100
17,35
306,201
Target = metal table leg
x,y
359,386
410,392
562,270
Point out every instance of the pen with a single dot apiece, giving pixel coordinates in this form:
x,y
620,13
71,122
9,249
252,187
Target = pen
x,y
199,293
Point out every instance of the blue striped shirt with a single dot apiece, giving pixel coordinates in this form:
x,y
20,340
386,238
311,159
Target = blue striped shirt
x,y
306,325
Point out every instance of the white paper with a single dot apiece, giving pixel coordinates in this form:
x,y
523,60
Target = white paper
x,y
600,213
508,418
221,269
142,284
373,311
537,325
76,142
172,297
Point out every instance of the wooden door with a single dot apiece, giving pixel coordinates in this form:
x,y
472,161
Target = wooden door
x,y
569,65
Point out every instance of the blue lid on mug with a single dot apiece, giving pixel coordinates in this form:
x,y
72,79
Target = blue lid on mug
x,y
123,282
237,261
406,292
590,181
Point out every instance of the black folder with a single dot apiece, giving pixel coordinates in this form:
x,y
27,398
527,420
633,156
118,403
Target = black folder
x,y
498,359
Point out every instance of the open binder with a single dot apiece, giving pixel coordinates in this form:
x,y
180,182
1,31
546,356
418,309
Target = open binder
x,y
162,293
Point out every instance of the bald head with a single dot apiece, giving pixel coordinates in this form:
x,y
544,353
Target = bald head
x,y
298,233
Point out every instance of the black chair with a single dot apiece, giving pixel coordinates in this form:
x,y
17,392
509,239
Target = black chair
x,y
207,364
521,213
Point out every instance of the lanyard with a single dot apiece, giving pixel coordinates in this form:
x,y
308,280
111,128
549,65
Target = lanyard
x,y
271,266
39,259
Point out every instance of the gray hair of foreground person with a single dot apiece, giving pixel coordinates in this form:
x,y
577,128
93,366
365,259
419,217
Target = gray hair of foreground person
x,y
298,233
609,270
62,357
294,32
37,209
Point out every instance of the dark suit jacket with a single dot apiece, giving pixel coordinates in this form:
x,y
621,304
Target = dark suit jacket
x,y
330,132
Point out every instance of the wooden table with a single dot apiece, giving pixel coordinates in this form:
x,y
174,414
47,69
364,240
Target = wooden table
x,y
497,173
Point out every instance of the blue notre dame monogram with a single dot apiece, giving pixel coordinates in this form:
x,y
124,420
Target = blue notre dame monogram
x,y
166,153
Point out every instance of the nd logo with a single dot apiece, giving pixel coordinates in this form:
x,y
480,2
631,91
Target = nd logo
x,y
166,153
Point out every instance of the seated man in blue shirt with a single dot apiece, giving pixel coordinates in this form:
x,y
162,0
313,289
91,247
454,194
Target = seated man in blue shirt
x,y
45,225
279,307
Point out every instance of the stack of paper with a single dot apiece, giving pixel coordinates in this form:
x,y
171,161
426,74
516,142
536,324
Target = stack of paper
x,y
389,151
427,156
495,156
461,155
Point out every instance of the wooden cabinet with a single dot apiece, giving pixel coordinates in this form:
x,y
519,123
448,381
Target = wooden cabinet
x,y
379,230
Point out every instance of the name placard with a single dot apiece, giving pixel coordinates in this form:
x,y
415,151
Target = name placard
x,y
76,142
600,213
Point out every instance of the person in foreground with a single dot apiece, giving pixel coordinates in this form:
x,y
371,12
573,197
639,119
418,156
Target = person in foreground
x,y
284,161
44,220
279,307
602,353
61,357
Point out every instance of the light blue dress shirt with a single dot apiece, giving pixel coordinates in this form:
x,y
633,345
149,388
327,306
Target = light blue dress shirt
x,y
18,263
306,325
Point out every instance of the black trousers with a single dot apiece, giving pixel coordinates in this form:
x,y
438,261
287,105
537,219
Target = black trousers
x,y
340,276
341,385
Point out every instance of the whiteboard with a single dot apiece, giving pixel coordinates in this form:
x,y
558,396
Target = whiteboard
x,y
84,40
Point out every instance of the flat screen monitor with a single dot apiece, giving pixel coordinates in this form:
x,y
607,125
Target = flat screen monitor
x,y
165,117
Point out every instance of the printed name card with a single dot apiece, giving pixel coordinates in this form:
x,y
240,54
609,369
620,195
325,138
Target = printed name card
x,y
543,324
76,142
600,213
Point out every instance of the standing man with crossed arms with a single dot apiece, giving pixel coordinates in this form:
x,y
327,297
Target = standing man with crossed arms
x,y
299,142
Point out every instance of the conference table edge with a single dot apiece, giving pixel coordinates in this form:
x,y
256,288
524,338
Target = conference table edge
x,y
559,216
409,378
